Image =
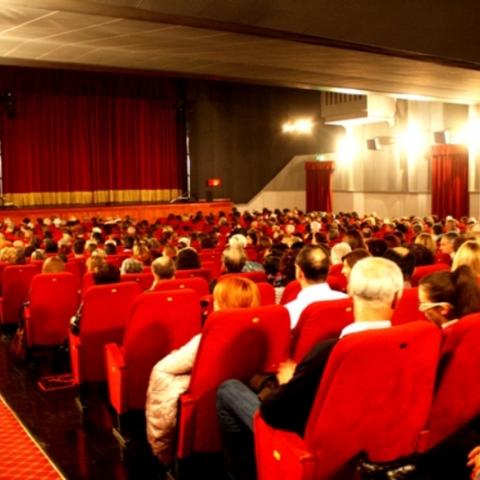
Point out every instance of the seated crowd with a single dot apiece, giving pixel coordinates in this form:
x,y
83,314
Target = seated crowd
x,y
305,257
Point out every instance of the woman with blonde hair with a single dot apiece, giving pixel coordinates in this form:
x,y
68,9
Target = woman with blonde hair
x,y
171,375
468,254
427,240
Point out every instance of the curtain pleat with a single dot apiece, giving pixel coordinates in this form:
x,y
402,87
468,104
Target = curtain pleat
x,y
102,136
450,180
319,186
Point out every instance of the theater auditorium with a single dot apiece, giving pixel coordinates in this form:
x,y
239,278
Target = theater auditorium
x,y
239,240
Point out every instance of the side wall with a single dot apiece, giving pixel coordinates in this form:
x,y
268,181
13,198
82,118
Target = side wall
x,y
235,134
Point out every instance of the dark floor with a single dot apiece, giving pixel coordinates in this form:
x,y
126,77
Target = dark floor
x,y
81,445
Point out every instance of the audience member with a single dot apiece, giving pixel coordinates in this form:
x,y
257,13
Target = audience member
x,y
376,284
163,268
311,269
187,259
350,259
171,375
131,265
446,296
53,265
405,259
468,254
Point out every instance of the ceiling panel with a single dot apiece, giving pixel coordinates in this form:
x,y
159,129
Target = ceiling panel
x,y
116,37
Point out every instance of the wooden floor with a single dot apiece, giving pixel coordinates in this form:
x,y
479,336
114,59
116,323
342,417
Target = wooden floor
x,y
82,446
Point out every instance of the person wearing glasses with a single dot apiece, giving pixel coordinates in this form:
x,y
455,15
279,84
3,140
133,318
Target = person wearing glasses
x,y
446,296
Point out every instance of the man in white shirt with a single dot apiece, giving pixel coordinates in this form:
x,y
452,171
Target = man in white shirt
x,y
311,269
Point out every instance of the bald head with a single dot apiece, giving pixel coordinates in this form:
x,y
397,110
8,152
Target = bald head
x,y
313,261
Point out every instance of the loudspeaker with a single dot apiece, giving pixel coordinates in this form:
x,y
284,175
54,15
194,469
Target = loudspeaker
x,y
209,196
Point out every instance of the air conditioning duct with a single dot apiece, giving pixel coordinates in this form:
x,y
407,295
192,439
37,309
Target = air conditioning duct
x,y
345,109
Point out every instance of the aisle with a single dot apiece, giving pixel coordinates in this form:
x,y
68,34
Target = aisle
x,y
20,456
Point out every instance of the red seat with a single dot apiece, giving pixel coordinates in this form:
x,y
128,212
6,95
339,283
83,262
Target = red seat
x,y
425,270
253,276
197,272
337,282
198,284
77,270
457,397
235,344
267,293
291,291
155,327
87,282
115,260
320,321
213,267
104,315
54,299
373,399
144,279
407,308
16,282
2,268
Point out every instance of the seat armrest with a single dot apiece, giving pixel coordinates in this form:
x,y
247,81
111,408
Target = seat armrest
x,y
281,454
186,410
116,377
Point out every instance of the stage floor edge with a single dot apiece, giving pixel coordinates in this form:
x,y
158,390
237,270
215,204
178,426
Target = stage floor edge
x,y
149,212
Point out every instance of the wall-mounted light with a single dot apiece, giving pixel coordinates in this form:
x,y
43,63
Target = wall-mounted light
x,y
347,148
302,126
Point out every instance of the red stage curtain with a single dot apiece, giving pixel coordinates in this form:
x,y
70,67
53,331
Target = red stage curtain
x,y
319,186
450,180
82,137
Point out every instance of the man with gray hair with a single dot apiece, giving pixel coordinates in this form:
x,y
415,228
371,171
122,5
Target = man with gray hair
x,y
375,285
163,268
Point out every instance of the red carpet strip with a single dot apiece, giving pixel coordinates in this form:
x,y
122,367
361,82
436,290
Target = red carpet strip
x,y
20,456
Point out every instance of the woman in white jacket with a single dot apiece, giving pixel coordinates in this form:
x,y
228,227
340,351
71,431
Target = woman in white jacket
x,y
170,377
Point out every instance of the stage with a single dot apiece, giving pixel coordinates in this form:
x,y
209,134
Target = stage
x,y
149,212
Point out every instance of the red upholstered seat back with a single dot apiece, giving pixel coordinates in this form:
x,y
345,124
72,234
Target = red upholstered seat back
x,y
291,291
254,276
457,399
104,316
87,282
159,322
267,293
374,396
2,268
54,299
425,270
406,309
235,344
337,282
16,282
320,321
145,279
197,272
198,284
77,269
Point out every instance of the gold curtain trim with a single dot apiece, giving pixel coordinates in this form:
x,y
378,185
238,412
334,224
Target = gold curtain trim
x,y
84,198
